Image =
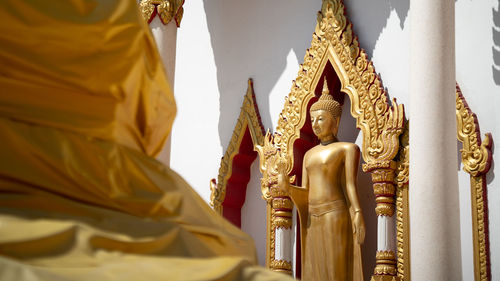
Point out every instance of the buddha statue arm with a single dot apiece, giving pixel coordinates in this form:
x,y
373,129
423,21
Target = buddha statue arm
x,y
352,155
299,194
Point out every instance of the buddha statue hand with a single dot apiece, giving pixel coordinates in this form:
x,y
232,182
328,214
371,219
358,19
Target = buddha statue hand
x,y
359,227
283,180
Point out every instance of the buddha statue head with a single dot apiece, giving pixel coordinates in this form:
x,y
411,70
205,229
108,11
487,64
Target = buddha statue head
x,y
325,116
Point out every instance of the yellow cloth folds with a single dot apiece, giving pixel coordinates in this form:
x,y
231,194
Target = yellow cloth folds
x,y
85,66
84,104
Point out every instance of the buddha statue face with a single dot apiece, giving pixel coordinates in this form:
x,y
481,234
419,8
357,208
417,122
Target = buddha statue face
x,y
325,116
324,124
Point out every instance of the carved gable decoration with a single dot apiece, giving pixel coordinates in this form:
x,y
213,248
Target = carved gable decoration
x,y
228,192
333,43
476,160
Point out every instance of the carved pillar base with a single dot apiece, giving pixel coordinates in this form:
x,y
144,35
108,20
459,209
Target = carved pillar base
x,y
385,263
384,278
281,266
384,190
385,266
281,217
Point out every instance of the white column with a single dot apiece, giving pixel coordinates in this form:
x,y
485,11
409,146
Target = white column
x,y
386,234
434,201
283,243
166,39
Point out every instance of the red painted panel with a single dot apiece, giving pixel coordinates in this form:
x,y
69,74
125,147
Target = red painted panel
x,y
236,186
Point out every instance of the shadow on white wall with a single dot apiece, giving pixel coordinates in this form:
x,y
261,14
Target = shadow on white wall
x,y
496,44
369,18
252,39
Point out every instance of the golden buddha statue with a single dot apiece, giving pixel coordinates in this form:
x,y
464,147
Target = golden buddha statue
x,y
327,200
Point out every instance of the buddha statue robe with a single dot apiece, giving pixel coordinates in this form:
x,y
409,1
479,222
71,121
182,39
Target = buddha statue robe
x,y
84,107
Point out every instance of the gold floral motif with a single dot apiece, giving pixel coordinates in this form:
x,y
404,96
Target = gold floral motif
x,y
271,237
147,8
249,118
402,211
403,164
385,206
282,222
269,156
384,278
166,10
381,123
385,255
381,173
282,203
480,230
400,236
216,196
281,265
476,156
383,188
476,160
275,192
385,269
385,263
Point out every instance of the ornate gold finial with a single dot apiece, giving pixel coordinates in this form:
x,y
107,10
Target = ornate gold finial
x,y
326,102
325,88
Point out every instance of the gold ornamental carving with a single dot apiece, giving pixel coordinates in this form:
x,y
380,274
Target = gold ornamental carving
x,y
403,162
282,220
476,155
476,160
217,195
282,203
165,9
249,119
283,266
282,208
385,263
279,204
381,121
384,278
269,155
384,189
402,207
333,40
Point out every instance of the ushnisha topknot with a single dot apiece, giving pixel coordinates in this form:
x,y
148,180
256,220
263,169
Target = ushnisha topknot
x,y
326,102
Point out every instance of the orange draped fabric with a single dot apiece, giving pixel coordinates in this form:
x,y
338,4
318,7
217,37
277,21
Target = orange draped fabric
x,y
84,105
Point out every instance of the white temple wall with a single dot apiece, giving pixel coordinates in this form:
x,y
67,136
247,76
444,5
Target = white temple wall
x,y
196,148
221,44
254,214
